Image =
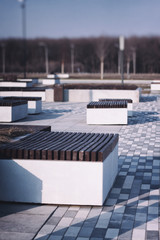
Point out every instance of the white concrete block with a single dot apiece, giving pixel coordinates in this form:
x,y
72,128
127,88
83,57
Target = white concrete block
x,y
41,94
107,116
155,85
48,81
13,113
58,75
34,107
130,109
50,95
15,84
58,182
88,95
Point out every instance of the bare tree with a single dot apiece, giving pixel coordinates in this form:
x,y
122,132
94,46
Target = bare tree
x,y
101,52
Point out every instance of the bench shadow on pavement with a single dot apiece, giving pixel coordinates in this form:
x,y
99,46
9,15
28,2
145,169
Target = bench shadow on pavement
x,y
141,117
148,98
45,115
129,208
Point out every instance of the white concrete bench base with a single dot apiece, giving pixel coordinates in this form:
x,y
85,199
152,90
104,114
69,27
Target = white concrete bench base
x,y
130,109
155,85
34,107
48,81
87,95
41,94
15,84
107,116
58,182
13,113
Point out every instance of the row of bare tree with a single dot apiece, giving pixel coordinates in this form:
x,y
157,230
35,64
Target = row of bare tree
x,y
89,55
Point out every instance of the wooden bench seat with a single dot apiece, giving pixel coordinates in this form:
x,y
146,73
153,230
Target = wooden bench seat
x,y
34,103
129,103
155,85
107,112
12,110
74,168
23,92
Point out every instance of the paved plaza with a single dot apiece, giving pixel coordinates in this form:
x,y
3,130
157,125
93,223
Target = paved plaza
x,y
131,210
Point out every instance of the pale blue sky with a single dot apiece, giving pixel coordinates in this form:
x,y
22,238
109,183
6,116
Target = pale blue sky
x,y
80,18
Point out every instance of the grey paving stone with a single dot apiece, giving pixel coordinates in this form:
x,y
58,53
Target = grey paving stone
x,y
134,197
85,232
72,231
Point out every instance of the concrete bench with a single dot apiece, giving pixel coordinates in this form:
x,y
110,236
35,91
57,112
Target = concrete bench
x,y
93,92
31,80
12,110
155,85
110,112
73,168
129,104
23,92
34,103
15,84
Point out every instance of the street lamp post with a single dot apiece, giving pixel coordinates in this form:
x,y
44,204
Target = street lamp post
x,y
121,47
23,4
42,44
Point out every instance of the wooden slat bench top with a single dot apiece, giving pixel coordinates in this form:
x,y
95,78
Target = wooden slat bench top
x,y
11,103
24,89
23,98
108,104
128,100
61,146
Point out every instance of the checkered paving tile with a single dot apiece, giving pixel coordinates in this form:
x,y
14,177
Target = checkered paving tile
x,y
131,210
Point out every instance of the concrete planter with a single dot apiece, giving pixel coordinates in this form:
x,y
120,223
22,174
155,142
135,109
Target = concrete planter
x,y
87,95
21,93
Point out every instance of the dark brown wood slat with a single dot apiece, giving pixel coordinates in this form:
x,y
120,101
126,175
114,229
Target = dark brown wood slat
x,y
94,153
105,151
69,153
58,148
88,152
63,146
57,139
108,104
58,145
66,154
116,99
75,154
25,148
79,138
13,150
32,147
23,142
36,150
12,145
89,145
83,140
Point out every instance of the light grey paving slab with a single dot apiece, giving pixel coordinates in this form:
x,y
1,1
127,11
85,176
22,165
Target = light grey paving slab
x,y
133,199
16,236
112,233
72,231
